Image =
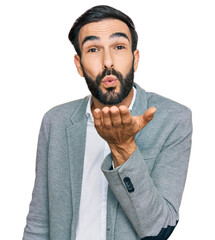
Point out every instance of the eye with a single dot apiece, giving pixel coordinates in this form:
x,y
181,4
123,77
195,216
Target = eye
x,y
120,47
93,50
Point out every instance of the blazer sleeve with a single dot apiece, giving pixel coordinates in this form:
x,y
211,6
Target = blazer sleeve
x,y
151,200
37,227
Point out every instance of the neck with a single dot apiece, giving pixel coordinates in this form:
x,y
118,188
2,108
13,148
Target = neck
x,y
126,102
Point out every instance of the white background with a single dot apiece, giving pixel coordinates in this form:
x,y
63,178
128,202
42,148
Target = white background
x,y
177,47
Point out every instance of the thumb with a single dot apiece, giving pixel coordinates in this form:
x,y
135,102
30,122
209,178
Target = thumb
x,y
145,118
149,114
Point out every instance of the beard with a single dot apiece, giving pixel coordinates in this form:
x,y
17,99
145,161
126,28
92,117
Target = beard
x,y
111,97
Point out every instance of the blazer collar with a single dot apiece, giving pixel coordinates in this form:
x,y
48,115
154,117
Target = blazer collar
x,y
79,115
140,104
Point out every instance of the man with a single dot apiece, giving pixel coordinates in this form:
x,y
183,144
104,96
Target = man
x,y
105,169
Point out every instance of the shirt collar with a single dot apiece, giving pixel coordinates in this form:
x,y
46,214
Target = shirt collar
x,y
88,109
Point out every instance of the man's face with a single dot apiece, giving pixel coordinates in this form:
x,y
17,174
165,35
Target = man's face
x,y
107,61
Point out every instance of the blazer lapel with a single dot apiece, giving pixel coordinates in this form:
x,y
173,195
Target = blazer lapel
x,y
76,137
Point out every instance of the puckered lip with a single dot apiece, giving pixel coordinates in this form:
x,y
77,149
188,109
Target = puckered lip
x,y
109,79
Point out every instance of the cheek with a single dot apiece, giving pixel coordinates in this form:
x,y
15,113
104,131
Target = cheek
x,y
91,68
124,65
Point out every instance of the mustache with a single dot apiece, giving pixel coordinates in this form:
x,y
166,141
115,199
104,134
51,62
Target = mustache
x,y
108,72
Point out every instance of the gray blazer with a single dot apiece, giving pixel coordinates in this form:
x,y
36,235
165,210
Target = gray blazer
x,y
144,194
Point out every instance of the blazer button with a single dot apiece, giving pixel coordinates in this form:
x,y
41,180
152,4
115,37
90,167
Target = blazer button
x,y
128,184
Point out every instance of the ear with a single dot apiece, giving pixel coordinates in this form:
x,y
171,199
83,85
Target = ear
x,y
77,62
136,59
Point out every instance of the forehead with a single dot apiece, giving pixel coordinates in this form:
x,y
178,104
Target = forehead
x,y
104,28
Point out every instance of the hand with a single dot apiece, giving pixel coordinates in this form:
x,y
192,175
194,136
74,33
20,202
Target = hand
x,y
118,128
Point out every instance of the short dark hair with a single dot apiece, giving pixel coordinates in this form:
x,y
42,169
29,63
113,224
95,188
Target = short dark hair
x,y
96,14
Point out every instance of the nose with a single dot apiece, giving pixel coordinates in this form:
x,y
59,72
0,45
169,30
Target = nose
x,y
107,60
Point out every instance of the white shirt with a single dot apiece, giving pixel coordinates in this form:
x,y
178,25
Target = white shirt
x,y
92,211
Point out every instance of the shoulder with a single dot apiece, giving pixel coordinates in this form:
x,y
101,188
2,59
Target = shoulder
x,y
164,104
170,116
169,113
62,113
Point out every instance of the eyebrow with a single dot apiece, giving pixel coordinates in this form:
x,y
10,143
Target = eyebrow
x,y
114,35
119,34
89,38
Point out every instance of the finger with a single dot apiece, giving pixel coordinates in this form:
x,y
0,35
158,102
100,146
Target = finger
x,y
115,116
106,117
97,117
125,115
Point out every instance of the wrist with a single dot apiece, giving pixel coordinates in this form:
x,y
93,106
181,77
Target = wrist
x,y
122,152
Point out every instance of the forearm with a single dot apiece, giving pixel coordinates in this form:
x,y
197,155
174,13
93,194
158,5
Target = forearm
x,y
146,209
